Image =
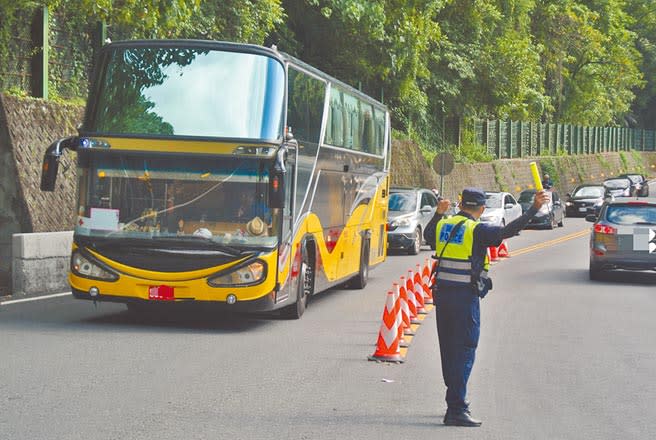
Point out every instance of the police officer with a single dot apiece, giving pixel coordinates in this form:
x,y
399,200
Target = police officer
x,y
461,279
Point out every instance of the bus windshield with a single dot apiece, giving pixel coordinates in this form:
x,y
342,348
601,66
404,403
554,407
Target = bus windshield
x,y
222,200
166,91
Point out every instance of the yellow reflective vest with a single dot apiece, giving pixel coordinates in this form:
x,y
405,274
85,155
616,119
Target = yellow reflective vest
x,y
455,265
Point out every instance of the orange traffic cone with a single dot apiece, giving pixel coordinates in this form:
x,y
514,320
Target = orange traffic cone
x,y
503,250
399,319
405,311
422,276
409,298
387,346
411,287
493,254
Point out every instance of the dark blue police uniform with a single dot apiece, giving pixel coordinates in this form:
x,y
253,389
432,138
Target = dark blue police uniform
x,y
458,308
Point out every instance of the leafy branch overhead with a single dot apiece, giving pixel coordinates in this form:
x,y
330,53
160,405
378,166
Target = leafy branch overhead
x,y
585,62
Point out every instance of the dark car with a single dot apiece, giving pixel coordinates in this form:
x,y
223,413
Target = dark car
x,y
409,211
623,236
549,216
584,200
638,183
618,187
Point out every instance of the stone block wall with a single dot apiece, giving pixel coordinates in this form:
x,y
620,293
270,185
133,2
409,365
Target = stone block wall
x,y
27,127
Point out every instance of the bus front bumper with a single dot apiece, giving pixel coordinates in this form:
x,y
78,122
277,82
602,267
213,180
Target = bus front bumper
x,y
263,304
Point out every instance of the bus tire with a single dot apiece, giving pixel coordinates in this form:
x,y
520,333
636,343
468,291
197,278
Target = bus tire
x,y
303,290
360,280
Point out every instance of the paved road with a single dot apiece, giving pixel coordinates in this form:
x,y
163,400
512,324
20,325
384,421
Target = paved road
x,y
560,358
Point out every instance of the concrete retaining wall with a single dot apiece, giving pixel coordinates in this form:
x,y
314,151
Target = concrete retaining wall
x,y
40,263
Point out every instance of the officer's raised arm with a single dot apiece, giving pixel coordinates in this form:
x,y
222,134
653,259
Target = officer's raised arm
x,y
512,228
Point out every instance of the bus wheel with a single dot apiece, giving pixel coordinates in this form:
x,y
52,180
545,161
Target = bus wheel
x,y
360,280
303,291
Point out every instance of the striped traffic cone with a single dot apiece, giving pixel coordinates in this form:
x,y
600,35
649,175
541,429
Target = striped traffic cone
x,y
399,319
387,346
405,311
422,276
418,294
410,299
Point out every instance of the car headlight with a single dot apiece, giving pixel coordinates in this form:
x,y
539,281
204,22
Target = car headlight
x,y
86,267
568,203
400,222
599,203
248,274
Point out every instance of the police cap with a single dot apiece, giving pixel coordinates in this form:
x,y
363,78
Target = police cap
x,y
473,197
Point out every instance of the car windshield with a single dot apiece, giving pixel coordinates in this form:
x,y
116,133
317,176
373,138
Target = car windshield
x,y
493,200
526,197
634,178
631,214
617,183
589,191
187,91
403,202
222,200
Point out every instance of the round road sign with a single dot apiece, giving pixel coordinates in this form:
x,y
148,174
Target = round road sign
x,y
443,163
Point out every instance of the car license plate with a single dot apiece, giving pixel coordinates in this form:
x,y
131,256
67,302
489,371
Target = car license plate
x,y
583,209
161,293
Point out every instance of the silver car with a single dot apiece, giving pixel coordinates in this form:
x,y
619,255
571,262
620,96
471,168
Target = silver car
x,y
500,208
409,211
623,236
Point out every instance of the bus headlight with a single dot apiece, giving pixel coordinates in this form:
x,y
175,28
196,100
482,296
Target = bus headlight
x,y
245,275
85,267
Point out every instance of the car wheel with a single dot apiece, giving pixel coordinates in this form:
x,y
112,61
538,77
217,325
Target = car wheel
x,y
595,271
360,280
552,221
415,247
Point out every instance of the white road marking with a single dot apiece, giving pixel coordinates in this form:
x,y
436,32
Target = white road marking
x,y
36,298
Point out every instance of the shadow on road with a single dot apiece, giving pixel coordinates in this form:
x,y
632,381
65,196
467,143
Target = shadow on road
x,y
74,316
622,278
179,319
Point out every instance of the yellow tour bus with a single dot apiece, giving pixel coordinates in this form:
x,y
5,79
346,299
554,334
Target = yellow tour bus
x,y
226,173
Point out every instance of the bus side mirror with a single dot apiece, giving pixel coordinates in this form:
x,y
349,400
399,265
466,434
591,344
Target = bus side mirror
x,y
51,161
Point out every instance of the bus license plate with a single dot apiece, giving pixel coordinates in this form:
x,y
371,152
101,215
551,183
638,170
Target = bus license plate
x,y
161,293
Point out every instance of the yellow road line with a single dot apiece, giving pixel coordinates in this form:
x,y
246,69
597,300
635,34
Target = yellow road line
x,y
549,243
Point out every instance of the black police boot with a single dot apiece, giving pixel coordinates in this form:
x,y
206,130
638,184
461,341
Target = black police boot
x,y
460,418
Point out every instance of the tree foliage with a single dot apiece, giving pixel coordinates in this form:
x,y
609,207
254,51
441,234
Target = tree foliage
x,y
587,62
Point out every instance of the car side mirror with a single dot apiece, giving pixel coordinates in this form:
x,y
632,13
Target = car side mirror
x,y
508,206
426,209
556,203
51,161
591,218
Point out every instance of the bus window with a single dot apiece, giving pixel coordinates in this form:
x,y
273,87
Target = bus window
x,y
336,125
351,128
305,106
379,117
367,126
304,115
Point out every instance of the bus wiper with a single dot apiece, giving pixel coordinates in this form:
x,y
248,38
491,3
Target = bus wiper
x,y
196,239
150,242
644,223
